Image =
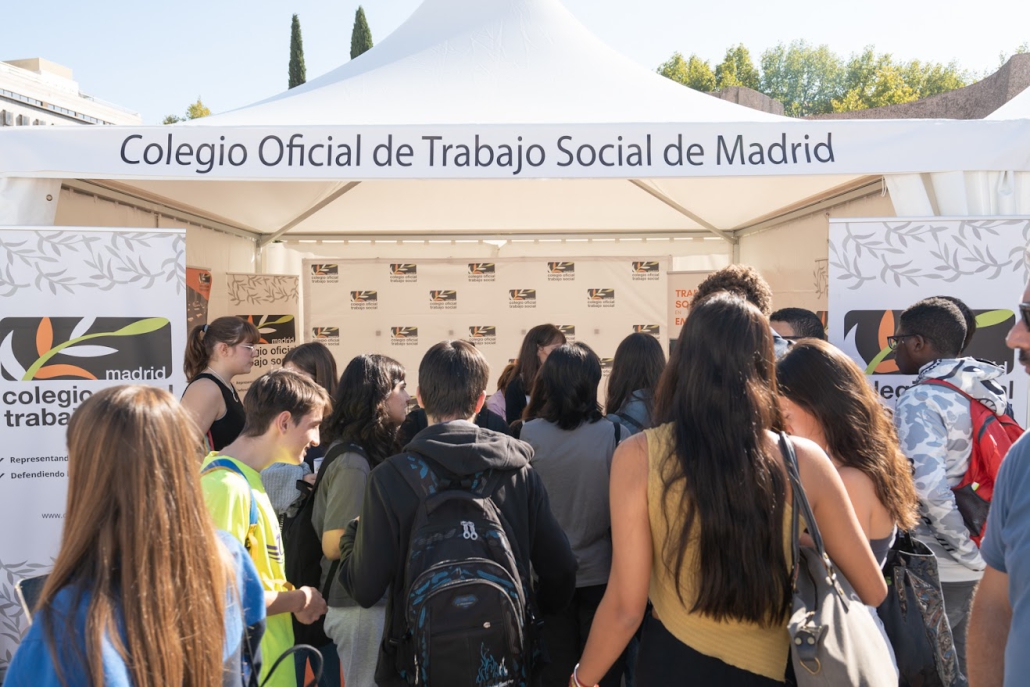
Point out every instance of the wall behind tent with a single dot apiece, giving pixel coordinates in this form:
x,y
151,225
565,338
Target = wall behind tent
x,y
793,256
880,267
401,309
110,313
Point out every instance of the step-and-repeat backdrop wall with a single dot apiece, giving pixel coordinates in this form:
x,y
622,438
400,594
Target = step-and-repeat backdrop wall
x,y
401,309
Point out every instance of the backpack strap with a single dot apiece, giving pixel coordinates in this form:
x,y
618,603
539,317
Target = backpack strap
x,y
226,464
618,432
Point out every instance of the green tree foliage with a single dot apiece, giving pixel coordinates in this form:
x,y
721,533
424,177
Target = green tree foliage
x,y
361,35
194,111
737,69
298,74
693,72
803,77
877,80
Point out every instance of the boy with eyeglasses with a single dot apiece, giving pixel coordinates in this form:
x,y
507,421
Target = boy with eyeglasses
x,y
935,429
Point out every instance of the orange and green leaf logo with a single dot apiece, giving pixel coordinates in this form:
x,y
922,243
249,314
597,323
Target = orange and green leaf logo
x,y
85,348
866,332
274,328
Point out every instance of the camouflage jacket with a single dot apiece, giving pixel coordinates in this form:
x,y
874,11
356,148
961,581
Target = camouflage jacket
x,y
936,433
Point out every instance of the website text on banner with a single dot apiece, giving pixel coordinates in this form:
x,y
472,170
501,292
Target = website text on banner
x,y
880,267
83,309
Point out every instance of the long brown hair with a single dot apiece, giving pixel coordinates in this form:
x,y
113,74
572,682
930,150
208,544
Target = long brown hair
x,y
719,392
638,365
203,338
819,378
140,542
528,364
317,362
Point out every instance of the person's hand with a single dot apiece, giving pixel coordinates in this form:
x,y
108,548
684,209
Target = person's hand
x,y
314,606
310,478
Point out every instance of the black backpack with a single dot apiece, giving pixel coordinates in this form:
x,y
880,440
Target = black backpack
x,y
466,606
302,546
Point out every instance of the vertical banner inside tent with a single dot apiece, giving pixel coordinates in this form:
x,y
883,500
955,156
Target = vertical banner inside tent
x,y
83,309
198,295
401,309
682,286
271,303
880,267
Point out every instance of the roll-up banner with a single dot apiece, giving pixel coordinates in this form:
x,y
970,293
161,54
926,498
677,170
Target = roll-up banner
x,y
83,309
400,309
682,286
271,303
198,295
879,267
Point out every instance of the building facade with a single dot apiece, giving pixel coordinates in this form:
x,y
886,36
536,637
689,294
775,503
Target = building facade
x,y
37,92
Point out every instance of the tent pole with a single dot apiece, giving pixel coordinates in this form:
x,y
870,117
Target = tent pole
x,y
643,186
346,188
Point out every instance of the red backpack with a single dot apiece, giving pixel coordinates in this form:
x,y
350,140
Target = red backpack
x,y
993,435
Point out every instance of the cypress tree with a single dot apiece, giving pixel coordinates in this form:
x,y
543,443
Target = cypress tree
x,y
361,36
298,74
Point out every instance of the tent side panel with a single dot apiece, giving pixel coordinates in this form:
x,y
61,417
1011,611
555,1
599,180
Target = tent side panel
x,y
793,256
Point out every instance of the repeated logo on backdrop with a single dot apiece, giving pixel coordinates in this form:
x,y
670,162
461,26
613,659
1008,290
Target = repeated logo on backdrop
x,y
446,299
273,328
79,348
561,271
645,270
483,336
403,272
325,273
522,298
330,336
364,300
569,330
482,272
403,336
600,298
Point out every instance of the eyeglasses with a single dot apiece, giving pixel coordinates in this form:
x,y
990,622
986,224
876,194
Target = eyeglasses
x,y
1024,312
893,341
249,347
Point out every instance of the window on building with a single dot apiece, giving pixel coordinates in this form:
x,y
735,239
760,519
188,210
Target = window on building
x,y
6,118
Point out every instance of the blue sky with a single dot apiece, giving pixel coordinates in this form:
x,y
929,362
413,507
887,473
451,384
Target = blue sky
x,y
157,57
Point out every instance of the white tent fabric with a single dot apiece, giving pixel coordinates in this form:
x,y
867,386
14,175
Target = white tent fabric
x,y
962,194
595,143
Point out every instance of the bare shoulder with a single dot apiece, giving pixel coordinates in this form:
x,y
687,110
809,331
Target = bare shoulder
x,y
630,459
856,481
201,390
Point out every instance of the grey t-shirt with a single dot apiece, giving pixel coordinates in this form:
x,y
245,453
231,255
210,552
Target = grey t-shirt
x,y
574,466
1006,548
337,502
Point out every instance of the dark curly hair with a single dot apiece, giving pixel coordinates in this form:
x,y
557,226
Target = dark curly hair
x,y
360,414
742,280
940,322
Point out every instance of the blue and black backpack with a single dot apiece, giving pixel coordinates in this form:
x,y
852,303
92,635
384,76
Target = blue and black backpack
x,y
467,610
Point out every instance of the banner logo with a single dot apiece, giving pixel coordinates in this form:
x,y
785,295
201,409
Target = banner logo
x,y
522,298
600,298
330,336
446,299
606,366
647,270
569,330
483,336
364,300
482,271
652,329
403,336
561,271
85,348
866,332
403,272
274,329
325,273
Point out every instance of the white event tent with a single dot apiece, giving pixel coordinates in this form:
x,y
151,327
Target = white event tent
x,y
496,119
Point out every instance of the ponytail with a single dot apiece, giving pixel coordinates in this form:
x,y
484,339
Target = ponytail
x,y
202,339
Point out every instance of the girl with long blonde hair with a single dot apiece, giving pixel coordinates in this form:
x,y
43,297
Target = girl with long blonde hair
x,y
144,591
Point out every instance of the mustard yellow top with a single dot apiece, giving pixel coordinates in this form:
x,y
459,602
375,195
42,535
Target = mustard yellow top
x,y
745,645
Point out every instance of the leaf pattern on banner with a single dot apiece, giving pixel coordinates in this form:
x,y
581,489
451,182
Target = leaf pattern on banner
x,y
13,622
44,336
262,289
68,262
51,371
7,357
861,258
40,370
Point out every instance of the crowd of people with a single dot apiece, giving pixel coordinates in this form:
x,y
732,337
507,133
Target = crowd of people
x,y
529,534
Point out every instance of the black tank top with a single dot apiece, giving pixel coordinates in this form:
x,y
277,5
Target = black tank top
x,y
225,429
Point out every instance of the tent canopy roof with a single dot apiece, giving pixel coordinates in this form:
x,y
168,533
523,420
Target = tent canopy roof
x,y
596,143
